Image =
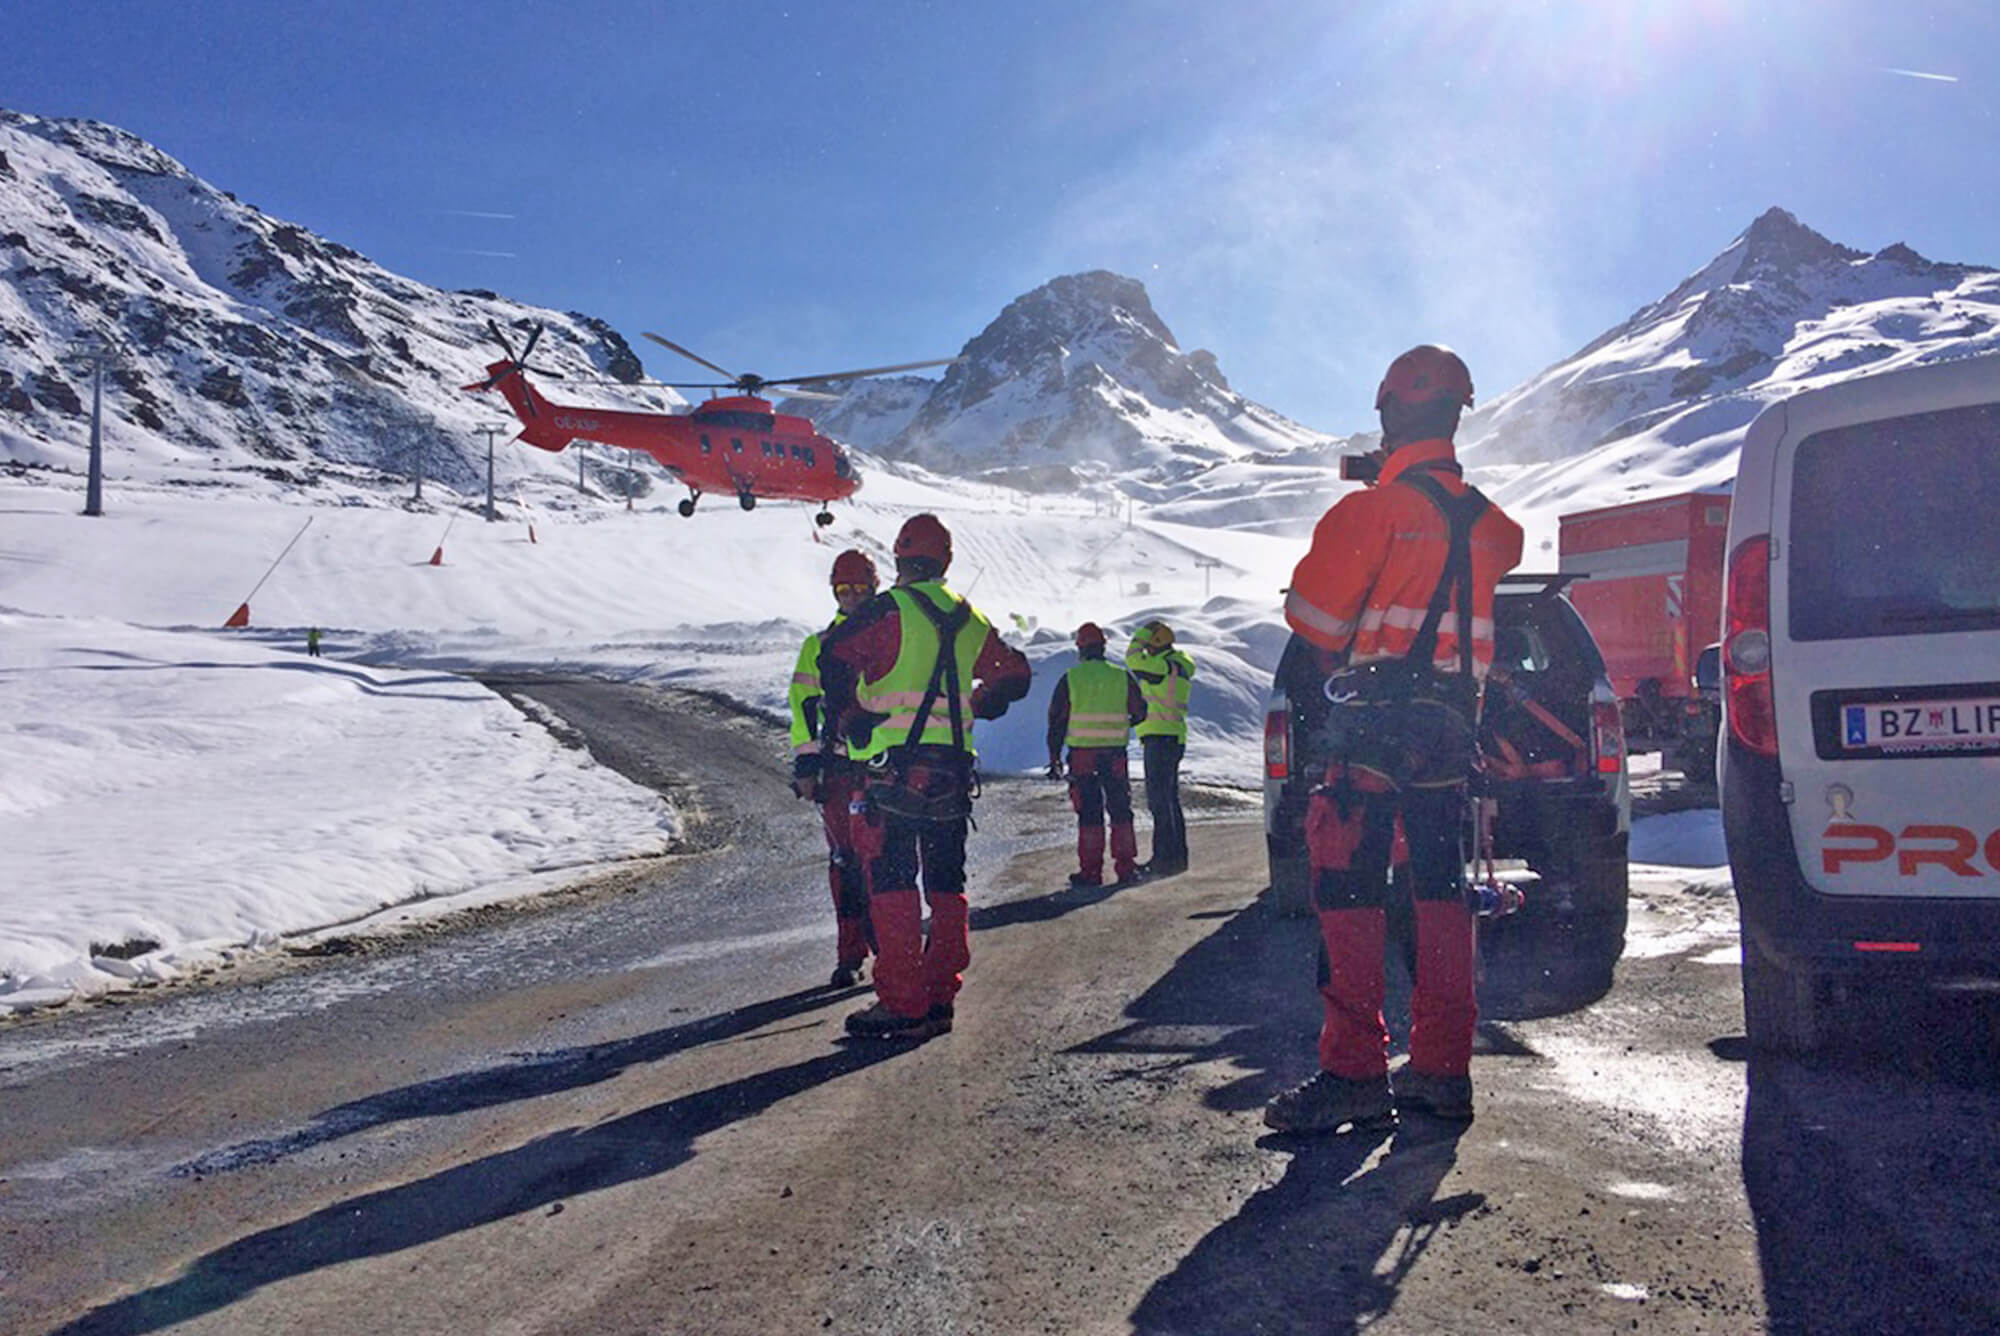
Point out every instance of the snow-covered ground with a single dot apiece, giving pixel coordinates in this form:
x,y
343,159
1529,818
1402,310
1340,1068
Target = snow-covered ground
x,y
165,780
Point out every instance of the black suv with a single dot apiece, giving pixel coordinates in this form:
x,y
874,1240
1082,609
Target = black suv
x,y
1555,750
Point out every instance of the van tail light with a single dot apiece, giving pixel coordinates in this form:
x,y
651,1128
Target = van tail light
x,y
1607,733
1746,647
1277,744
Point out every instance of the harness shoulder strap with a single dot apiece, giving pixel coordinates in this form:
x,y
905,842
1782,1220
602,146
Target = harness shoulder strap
x,y
944,673
1461,513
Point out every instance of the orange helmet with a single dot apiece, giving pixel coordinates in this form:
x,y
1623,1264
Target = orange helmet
x,y
1426,372
925,536
854,567
1090,633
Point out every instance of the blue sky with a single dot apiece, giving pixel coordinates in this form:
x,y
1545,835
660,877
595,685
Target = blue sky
x,y
1305,189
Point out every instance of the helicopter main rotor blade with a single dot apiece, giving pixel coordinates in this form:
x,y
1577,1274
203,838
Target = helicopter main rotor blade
x,y
501,339
692,357
869,371
818,396
528,348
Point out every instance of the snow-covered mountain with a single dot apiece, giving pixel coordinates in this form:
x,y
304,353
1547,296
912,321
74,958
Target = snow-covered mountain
x,y
246,346
1660,402
1076,381
240,342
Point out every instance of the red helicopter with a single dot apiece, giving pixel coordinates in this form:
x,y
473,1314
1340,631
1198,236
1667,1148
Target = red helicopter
x,y
734,443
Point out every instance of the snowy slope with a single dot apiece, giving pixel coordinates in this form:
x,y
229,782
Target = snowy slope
x,y
1660,403
242,345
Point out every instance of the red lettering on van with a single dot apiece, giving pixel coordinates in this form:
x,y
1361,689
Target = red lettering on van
x,y
1880,844
1877,843
1964,844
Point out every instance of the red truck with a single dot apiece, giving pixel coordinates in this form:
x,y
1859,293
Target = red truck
x,y
1653,599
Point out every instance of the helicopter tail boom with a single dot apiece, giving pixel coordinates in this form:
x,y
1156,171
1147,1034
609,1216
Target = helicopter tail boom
x,y
537,415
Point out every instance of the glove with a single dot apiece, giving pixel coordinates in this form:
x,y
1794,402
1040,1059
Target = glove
x,y
983,705
805,776
1055,770
861,727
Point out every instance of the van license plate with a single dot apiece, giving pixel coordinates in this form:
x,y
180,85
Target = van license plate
x,y
1922,725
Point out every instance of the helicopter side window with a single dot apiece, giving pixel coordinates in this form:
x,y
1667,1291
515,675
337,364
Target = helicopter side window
x,y
806,453
736,444
704,443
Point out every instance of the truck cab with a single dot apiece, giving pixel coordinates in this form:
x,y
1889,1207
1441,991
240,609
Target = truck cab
x,y
1860,765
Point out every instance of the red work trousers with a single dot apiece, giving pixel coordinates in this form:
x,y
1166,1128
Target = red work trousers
x,y
839,786
915,970
1100,786
1350,833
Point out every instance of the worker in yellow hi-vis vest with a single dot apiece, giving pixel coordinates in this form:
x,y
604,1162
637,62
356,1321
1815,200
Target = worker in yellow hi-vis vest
x,y
1166,677
1092,712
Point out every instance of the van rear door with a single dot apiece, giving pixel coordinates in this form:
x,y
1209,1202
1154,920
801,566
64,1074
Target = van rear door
x,y
1885,610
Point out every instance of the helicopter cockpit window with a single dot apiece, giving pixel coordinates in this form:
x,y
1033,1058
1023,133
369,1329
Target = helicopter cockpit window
x,y
729,417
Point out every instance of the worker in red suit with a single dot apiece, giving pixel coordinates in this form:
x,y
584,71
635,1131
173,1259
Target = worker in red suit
x,y
1396,596
905,677
822,773
1092,711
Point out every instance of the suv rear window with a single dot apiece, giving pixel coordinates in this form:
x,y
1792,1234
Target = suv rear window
x,y
1893,530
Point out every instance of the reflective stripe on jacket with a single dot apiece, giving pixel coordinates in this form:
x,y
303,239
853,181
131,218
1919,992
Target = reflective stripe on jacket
x,y
1098,692
899,692
809,722
1376,557
1165,680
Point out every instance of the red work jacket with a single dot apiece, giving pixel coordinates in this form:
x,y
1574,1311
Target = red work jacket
x,y
1376,558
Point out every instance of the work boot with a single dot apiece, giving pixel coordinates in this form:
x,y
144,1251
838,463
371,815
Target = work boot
x,y
878,1022
1079,880
845,976
1327,1102
940,1017
1128,874
1446,1097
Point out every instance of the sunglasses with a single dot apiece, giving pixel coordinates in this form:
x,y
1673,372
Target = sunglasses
x,y
842,590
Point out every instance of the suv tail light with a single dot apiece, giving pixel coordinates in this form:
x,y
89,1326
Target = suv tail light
x,y
1607,736
1746,647
1277,744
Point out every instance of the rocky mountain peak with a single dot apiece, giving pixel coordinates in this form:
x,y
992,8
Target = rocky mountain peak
x,y
1778,308
1778,244
1081,373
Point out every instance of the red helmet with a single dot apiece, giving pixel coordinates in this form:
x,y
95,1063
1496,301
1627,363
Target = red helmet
x,y
854,568
1090,633
925,536
1426,372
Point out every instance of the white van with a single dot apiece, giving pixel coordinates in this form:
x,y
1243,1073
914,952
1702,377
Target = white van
x,y
1860,770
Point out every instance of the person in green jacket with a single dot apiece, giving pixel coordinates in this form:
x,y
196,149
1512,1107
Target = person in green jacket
x,y
1092,712
1166,679
822,773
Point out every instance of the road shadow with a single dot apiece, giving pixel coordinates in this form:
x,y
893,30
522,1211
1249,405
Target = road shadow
x,y
1042,908
1873,1175
1331,1243
1539,963
540,1173
528,1076
1327,1248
